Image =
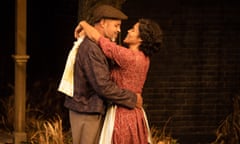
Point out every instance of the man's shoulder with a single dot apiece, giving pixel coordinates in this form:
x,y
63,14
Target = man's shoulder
x,y
88,42
89,46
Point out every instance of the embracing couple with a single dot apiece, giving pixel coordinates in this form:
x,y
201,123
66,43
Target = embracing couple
x,y
104,98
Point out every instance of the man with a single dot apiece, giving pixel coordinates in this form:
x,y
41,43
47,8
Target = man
x,y
93,87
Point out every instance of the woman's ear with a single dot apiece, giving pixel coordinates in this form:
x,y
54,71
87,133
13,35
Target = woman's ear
x,y
140,40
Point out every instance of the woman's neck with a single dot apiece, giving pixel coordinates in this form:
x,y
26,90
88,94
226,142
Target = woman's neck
x,y
134,47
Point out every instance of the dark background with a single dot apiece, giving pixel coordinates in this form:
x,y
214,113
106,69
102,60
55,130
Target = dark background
x,y
192,80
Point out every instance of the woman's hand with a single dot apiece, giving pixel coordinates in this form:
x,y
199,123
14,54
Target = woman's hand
x,y
77,31
81,34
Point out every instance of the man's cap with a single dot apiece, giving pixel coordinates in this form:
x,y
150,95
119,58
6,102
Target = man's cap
x,y
107,11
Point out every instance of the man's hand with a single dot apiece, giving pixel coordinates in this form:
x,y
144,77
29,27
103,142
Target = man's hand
x,y
139,101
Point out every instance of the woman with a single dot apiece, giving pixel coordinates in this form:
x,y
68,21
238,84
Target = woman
x,y
144,39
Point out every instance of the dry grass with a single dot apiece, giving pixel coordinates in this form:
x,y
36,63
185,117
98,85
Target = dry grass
x,y
46,131
7,118
229,130
161,136
44,115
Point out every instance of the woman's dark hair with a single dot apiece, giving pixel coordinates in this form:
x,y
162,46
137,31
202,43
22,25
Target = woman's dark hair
x,y
151,35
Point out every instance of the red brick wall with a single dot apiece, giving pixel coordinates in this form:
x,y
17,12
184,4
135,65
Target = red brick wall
x,y
192,79
197,72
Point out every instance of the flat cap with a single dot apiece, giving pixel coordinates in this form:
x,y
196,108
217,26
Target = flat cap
x,y
107,11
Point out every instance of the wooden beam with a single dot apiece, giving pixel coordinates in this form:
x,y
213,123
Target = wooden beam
x,y
20,58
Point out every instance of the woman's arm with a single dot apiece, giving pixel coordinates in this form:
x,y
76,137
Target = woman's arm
x,y
90,31
121,55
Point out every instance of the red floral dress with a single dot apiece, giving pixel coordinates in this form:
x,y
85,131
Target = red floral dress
x,y
130,126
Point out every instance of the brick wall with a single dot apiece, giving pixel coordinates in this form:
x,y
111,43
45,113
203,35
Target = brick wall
x,y
192,80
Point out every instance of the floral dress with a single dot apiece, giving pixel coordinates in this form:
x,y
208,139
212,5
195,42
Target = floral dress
x,y
130,126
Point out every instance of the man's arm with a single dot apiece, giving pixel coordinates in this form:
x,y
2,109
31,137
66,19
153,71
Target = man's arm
x,y
98,75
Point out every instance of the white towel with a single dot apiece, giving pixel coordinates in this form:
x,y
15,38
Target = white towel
x,y
107,130
66,84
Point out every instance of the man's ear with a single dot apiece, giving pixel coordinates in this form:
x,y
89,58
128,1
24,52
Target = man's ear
x,y
102,22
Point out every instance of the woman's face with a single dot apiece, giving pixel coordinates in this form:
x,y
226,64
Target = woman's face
x,y
133,36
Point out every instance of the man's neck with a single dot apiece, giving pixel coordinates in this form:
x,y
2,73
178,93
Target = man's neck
x,y
99,29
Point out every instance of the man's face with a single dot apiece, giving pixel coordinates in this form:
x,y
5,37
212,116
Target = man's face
x,y
111,28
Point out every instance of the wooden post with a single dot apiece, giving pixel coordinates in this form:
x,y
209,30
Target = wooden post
x,y
20,58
